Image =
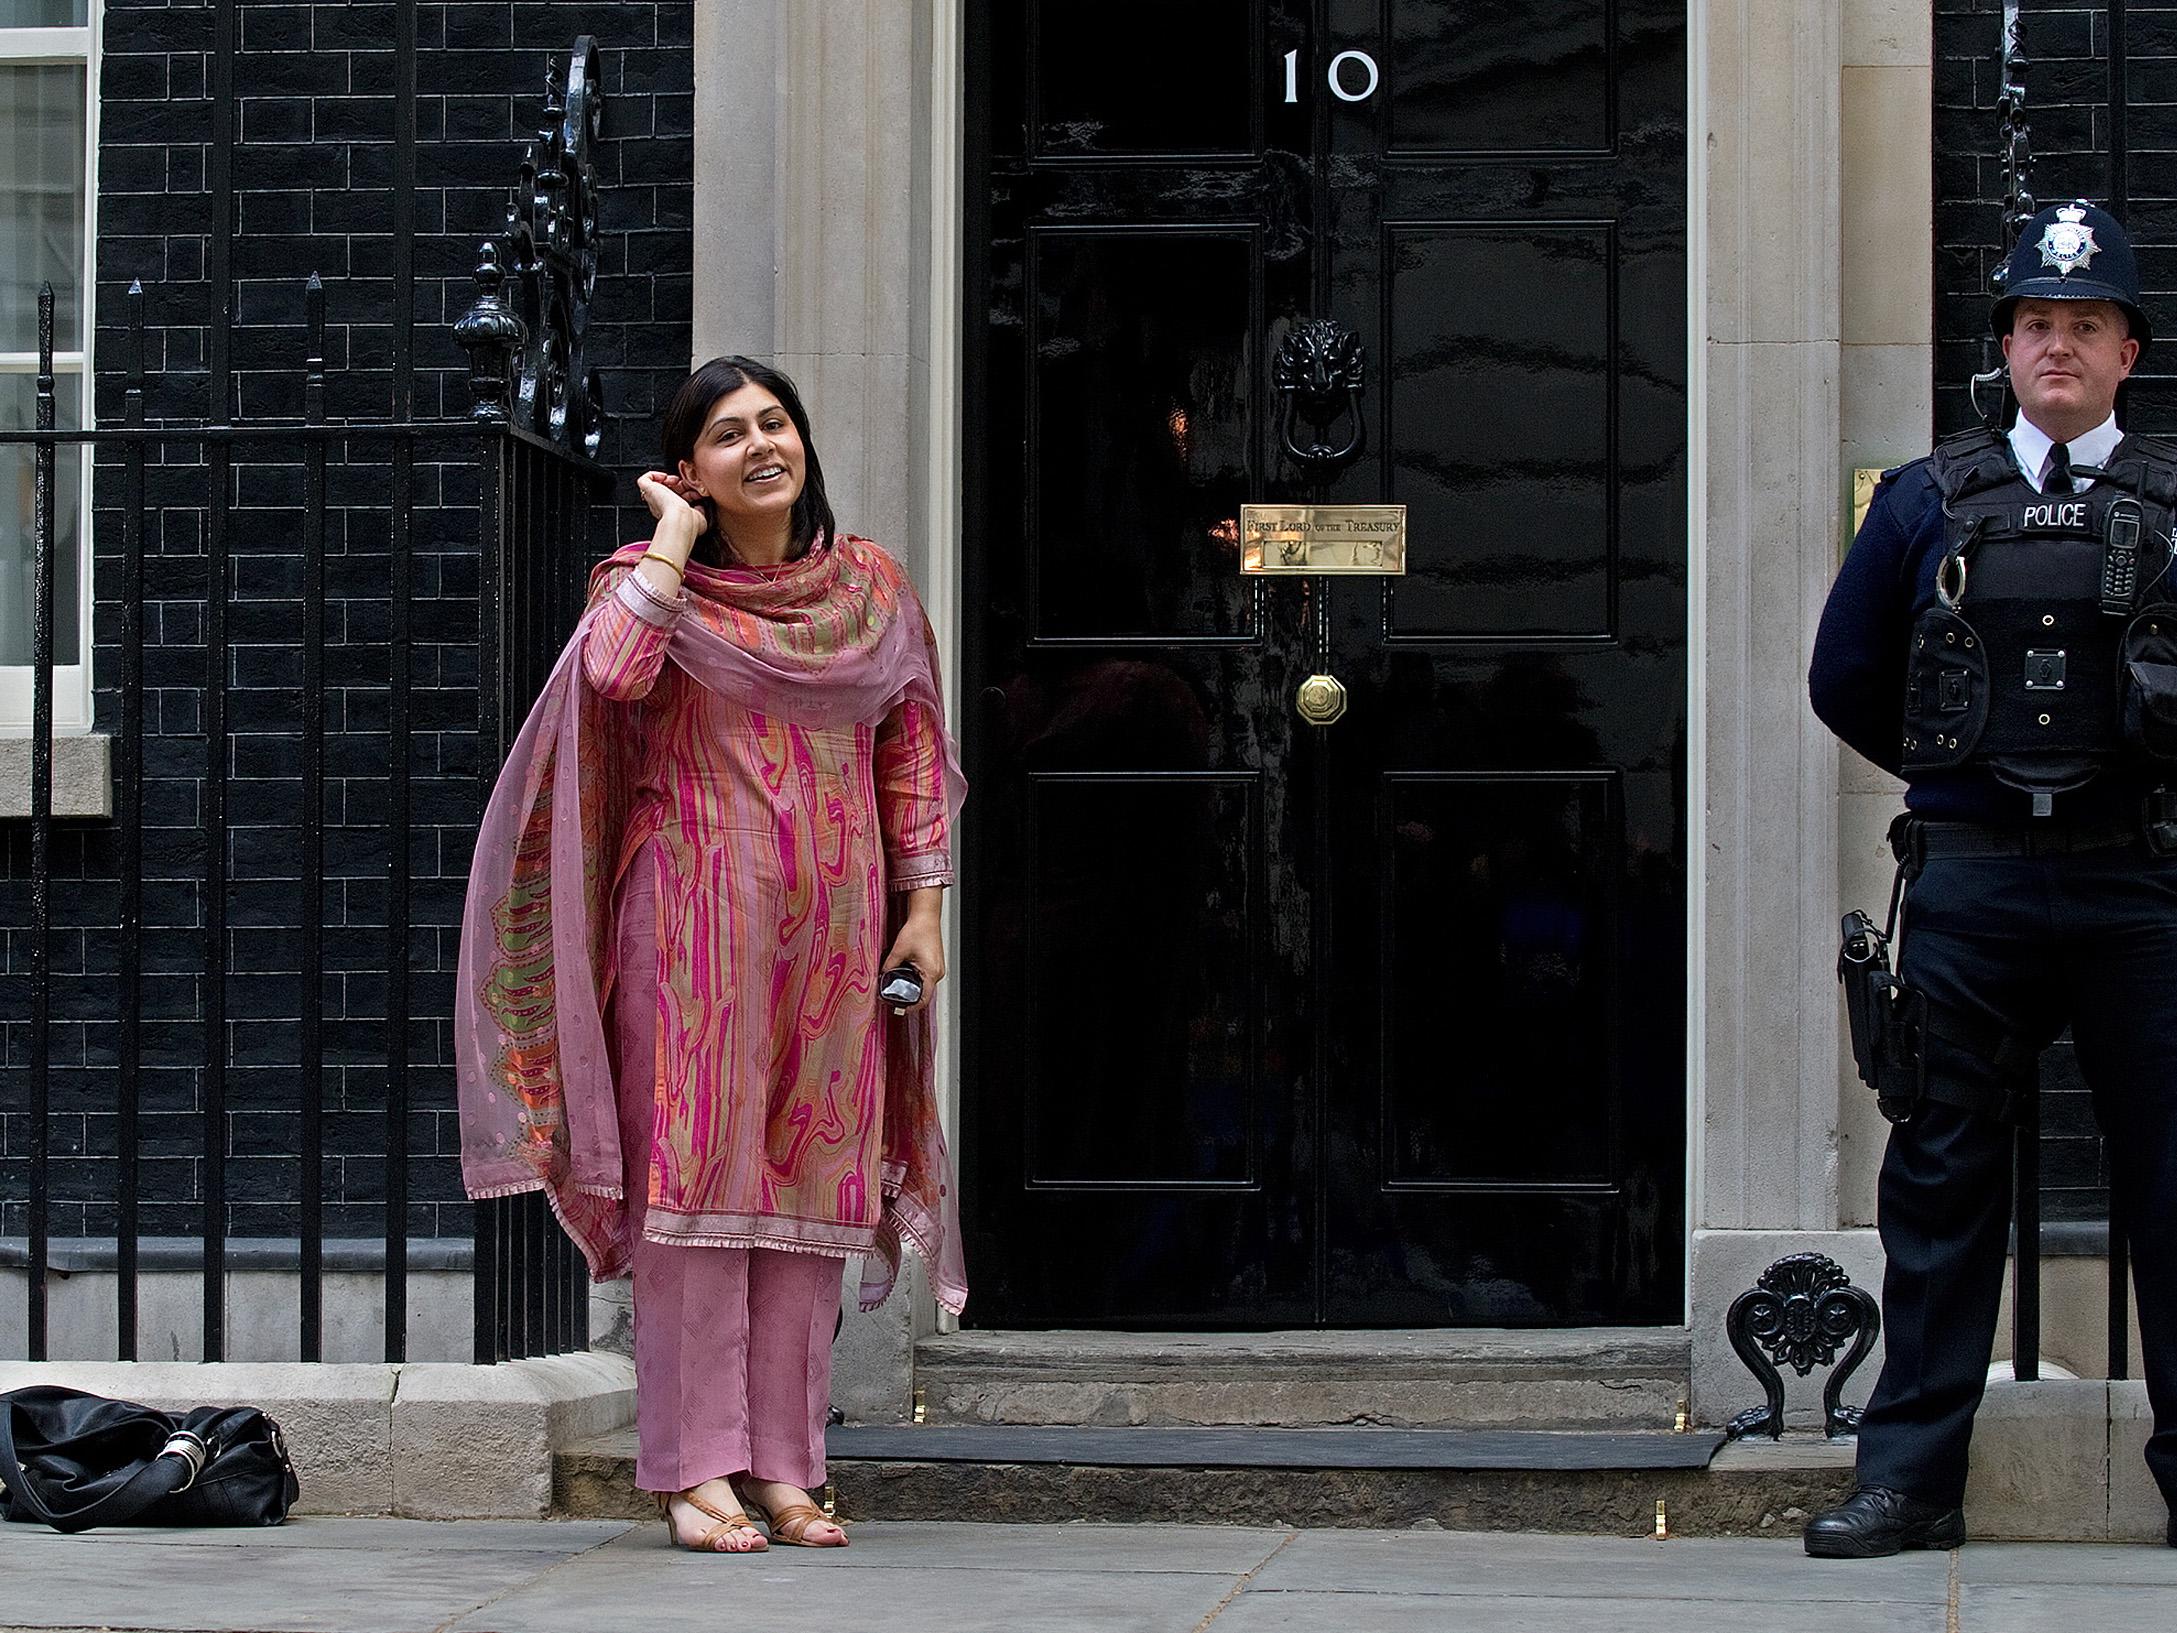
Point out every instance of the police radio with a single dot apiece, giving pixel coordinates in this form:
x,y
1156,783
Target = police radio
x,y
2120,539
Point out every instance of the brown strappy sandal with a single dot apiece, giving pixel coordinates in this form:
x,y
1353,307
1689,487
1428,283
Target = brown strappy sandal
x,y
790,1525
708,1543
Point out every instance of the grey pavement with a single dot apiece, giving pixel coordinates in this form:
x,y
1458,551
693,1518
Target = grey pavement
x,y
417,1576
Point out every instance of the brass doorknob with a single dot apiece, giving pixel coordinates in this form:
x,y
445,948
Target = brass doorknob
x,y
1320,700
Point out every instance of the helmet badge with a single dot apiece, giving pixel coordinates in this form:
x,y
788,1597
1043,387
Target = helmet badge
x,y
2067,243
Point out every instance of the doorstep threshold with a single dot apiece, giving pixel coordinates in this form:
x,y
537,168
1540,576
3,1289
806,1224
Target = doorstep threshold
x,y
1216,1447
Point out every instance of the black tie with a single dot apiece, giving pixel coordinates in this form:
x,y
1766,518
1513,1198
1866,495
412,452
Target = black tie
x,y
2056,474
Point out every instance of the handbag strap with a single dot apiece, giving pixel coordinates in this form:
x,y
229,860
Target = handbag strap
x,y
173,1470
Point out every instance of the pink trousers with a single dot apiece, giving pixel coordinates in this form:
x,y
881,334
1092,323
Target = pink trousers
x,y
732,1345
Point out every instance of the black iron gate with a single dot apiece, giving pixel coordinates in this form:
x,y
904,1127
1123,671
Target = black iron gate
x,y
509,489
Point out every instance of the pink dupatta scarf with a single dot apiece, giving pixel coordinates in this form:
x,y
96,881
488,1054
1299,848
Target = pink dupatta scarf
x,y
837,638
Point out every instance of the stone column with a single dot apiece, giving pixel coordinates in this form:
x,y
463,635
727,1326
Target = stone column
x,y
1767,103
1771,365
1888,408
820,130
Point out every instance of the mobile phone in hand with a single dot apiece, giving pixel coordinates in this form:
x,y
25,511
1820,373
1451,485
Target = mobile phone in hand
x,y
901,986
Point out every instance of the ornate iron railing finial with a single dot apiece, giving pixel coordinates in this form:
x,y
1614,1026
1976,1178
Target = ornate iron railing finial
x,y
2018,202
528,346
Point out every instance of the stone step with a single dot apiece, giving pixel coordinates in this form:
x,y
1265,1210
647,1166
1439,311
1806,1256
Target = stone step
x,y
1605,1483
1588,1378
2055,1461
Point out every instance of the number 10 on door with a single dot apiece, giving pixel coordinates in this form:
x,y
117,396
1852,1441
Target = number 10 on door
x,y
1351,77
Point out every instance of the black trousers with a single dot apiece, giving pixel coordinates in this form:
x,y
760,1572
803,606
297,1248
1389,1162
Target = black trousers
x,y
2027,944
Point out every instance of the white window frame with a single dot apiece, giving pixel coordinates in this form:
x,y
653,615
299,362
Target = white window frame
x,y
71,682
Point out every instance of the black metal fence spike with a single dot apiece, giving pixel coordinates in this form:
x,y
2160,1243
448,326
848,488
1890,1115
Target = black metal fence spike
x,y
492,335
42,547
310,978
128,781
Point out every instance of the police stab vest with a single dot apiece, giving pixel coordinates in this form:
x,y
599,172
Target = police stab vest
x,y
2050,653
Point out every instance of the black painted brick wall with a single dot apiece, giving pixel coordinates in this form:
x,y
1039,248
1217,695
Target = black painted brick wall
x,y
2096,134
313,171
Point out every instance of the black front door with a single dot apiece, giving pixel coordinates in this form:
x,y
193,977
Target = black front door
x,y
1381,1022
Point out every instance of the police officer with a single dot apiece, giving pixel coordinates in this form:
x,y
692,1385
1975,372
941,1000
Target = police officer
x,y
2013,592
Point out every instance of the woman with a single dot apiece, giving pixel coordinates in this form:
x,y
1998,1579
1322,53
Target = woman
x,y
727,817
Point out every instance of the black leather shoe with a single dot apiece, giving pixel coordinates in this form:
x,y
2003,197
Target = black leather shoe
x,y
1876,1521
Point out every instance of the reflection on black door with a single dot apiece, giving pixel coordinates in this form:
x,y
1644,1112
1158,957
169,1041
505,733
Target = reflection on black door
x,y
1380,1023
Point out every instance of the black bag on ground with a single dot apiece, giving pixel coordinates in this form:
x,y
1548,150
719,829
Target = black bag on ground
x,y
72,1461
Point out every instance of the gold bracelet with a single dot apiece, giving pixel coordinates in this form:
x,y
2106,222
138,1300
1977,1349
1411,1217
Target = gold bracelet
x,y
679,572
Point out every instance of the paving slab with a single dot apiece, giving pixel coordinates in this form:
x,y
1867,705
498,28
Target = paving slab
x,y
2116,1609
2043,1564
796,1587
1423,1563
407,1576
348,1533
1211,1550
305,1577
1254,1612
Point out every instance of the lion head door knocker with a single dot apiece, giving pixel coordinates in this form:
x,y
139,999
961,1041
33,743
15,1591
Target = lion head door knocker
x,y
1801,1311
1319,372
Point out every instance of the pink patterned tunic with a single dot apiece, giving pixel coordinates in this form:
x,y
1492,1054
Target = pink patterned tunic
x,y
775,847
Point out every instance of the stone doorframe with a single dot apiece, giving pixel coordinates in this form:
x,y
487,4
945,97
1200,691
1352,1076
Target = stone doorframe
x,y
828,153
827,157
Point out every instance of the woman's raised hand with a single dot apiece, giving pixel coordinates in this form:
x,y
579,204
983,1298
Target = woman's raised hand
x,y
671,498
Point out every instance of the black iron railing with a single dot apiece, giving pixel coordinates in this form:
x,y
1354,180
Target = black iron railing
x,y
2015,137
2029,1245
532,529
529,447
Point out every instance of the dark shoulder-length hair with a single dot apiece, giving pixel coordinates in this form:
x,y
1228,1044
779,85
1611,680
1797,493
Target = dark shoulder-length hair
x,y
691,409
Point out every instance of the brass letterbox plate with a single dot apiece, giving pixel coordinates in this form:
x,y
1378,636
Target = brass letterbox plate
x,y
1369,540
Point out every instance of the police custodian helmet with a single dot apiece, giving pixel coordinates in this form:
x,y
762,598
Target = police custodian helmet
x,y
2072,252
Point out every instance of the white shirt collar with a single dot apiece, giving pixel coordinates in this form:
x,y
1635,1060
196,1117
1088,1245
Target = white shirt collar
x,y
2031,444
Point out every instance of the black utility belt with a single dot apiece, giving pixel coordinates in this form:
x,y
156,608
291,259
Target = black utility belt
x,y
1916,840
